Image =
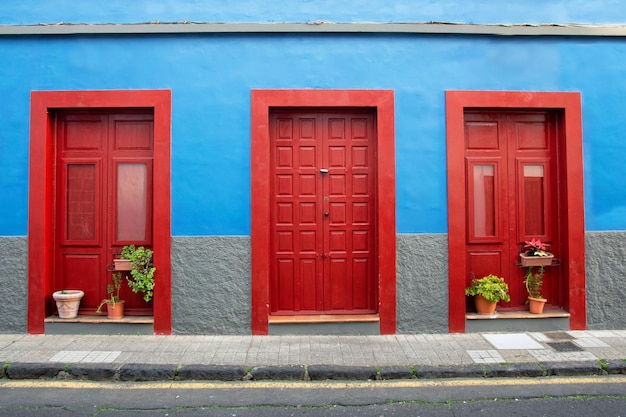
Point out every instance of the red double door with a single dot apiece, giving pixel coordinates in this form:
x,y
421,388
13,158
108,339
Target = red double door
x,y
512,196
103,200
322,223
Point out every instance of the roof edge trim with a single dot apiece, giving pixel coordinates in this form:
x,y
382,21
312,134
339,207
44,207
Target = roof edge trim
x,y
436,28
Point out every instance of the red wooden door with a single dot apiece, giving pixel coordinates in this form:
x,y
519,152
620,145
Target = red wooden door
x,y
104,200
322,212
511,177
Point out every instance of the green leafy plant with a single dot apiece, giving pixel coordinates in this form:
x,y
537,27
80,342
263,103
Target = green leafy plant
x,y
142,273
534,281
113,291
492,287
127,252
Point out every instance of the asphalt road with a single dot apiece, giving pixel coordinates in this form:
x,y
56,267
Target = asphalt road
x,y
571,397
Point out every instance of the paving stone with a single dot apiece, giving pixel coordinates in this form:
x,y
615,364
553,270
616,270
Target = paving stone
x,y
485,356
573,368
94,371
559,335
464,371
34,370
396,372
565,347
322,372
279,373
211,372
515,370
147,372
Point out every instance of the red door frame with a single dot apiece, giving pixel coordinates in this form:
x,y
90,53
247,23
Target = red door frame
x,y
383,101
569,143
41,196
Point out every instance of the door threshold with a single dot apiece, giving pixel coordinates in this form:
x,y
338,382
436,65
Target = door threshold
x,y
324,318
102,319
547,314
517,321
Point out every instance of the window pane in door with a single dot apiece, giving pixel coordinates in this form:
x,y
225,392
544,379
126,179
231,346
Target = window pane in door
x,y
81,202
484,201
534,200
131,202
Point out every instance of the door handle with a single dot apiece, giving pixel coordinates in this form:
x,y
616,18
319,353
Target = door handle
x,y
323,171
326,214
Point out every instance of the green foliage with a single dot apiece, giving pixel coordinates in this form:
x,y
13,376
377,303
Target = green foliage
x,y
127,252
113,291
142,274
534,282
492,287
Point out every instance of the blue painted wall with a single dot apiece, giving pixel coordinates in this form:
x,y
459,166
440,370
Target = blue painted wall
x,y
464,11
211,77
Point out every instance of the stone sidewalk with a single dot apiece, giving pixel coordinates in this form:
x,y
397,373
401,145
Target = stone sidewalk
x,y
145,358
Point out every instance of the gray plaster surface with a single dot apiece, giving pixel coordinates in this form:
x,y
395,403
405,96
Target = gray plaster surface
x,y
211,285
13,283
422,283
606,277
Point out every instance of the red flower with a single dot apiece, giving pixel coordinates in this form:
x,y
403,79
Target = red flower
x,y
535,247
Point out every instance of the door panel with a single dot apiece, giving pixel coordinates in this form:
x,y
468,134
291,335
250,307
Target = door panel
x,y
510,176
104,199
81,222
322,212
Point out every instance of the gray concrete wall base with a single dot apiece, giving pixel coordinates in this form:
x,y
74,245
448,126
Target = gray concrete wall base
x,y
211,285
422,283
606,272
13,283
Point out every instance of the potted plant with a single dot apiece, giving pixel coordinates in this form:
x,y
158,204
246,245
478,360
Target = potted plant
x,y
533,282
142,270
123,262
68,302
536,253
115,306
487,292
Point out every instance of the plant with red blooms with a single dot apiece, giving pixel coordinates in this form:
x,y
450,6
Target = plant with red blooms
x,y
534,247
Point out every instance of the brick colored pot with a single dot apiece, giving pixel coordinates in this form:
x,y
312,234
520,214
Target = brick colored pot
x,y
115,311
536,305
526,260
483,306
122,264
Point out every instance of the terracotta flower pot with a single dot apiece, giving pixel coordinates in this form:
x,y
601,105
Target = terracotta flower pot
x,y
536,305
115,311
483,306
68,302
526,260
122,264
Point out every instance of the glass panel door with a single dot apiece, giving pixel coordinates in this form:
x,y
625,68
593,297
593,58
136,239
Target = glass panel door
x,y
131,202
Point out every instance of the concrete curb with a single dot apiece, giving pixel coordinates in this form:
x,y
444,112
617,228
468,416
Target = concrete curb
x,y
278,373
333,372
616,367
136,372
211,373
573,368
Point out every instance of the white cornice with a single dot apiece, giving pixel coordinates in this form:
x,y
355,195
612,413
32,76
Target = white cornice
x,y
434,28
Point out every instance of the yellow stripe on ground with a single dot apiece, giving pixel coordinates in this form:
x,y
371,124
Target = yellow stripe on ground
x,y
413,383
